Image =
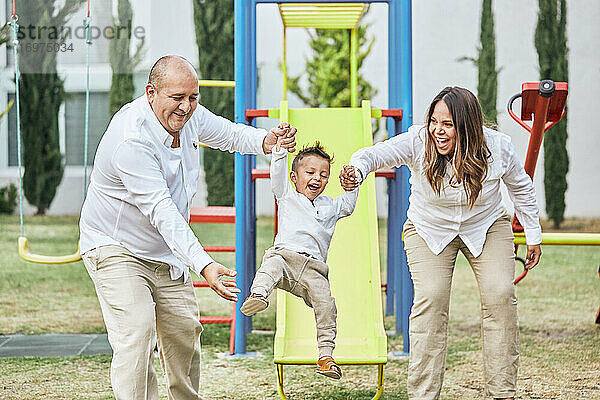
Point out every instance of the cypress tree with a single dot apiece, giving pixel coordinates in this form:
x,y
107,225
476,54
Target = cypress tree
x,y
5,33
5,37
329,69
42,93
214,22
121,62
551,45
487,86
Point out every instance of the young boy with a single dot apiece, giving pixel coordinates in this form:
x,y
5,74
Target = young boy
x,y
296,262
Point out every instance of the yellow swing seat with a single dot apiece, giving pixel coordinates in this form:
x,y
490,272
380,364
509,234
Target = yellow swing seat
x,y
27,255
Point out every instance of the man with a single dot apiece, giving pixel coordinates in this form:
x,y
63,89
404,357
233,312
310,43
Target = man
x,y
136,243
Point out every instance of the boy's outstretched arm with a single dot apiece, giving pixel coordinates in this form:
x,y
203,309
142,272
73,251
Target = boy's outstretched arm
x,y
279,170
347,200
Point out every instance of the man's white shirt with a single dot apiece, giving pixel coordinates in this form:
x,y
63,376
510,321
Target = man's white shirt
x,y
141,189
438,219
305,226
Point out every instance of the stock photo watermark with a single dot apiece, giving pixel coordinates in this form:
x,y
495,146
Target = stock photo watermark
x,y
40,38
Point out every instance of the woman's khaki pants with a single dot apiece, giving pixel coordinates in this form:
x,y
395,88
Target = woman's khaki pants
x,y
139,303
432,279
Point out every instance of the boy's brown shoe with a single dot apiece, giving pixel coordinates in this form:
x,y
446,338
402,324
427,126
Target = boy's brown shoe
x,y
253,304
327,366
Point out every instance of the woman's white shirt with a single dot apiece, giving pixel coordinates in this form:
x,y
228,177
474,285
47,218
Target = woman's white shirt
x,y
438,219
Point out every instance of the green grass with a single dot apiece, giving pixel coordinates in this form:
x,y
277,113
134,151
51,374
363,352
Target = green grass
x,y
560,344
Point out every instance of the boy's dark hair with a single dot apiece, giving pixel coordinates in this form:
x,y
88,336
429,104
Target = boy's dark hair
x,y
316,149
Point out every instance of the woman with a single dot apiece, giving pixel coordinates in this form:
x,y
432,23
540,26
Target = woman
x,y
455,205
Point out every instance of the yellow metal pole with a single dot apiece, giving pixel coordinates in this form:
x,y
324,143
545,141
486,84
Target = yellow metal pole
x,y
354,67
566,239
379,382
280,382
215,83
284,65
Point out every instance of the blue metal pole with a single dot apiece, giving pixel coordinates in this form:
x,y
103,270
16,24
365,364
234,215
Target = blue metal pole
x,y
393,102
251,82
404,299
240,173
393,202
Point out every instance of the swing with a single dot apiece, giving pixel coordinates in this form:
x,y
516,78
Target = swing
x,y
23,243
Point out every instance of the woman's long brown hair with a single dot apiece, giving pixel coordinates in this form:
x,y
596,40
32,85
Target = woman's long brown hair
x,y
469,162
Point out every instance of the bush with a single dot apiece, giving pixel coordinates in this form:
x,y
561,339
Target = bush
x,y
8,199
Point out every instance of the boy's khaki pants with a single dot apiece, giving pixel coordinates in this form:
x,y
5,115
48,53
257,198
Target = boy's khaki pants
x,y
432,279
305,277
139,302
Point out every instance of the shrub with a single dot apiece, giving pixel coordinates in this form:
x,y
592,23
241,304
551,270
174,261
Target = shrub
x,y
8,199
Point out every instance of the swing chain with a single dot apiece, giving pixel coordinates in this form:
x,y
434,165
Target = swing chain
x,y
86,25
14,22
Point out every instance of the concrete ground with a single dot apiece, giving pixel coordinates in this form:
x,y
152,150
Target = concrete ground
x,y
53,345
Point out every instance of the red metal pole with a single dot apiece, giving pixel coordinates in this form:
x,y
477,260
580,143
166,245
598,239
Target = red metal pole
x,y
537,134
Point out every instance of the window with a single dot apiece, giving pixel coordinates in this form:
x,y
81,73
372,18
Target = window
x,y
75,125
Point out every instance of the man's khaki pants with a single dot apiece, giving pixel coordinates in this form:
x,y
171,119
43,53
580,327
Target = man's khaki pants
x,y
305,277
432,279
140,302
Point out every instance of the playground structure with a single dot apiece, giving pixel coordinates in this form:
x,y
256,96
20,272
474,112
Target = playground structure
x,y
342,131
400,97
544,104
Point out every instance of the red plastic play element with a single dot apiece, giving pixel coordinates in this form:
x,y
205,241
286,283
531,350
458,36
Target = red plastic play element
x,y
523,274
251,114
219,249
395,113
380,173
216,215
220,319
212,215
544,104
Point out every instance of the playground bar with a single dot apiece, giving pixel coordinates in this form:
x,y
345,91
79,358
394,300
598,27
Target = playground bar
x,y
564,238
215,83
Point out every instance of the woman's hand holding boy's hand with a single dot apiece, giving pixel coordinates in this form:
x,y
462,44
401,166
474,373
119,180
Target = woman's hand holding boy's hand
x,y
349,177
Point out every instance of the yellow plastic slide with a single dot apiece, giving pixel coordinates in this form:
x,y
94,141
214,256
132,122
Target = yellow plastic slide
x,y
353,256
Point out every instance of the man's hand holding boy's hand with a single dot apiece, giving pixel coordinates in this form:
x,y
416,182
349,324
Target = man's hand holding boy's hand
x,y
349,177
286,134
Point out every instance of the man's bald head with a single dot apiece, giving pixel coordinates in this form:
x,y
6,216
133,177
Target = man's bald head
x,y
172,92
167,65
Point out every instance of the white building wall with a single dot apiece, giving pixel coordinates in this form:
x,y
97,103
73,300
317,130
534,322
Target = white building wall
x,y
442,32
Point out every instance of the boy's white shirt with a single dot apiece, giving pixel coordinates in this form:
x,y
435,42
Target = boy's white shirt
x,y
305,226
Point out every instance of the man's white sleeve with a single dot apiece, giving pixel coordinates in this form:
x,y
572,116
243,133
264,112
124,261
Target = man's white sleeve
x,y
220,133
139,170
